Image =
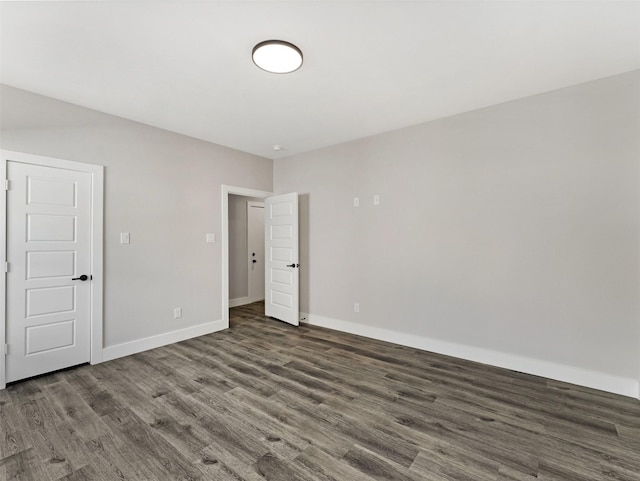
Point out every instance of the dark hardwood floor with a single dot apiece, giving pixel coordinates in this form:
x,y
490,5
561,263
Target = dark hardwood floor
x,y
264,400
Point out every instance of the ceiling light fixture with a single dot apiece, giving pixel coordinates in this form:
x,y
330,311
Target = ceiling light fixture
x,y
277,56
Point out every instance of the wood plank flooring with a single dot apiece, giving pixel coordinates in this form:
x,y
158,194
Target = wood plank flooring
x,y
265,400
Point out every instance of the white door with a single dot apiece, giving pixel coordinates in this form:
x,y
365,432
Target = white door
x,y
48,250
281,257
255,250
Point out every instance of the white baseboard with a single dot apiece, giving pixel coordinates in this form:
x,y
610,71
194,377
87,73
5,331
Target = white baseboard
x,y
139,345
241,301
559,372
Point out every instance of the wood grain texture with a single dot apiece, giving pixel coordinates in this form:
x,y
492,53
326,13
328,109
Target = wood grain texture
x,y
265,400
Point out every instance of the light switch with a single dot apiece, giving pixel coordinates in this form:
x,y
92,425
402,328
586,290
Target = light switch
x,y
124,238
376,200
356,201
211,238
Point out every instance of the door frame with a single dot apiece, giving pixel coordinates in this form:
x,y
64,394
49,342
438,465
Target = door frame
x,y
97,246
250,294
226,190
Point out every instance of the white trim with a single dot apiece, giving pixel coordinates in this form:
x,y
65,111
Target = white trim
x,y
239,301
97,242
560,372
3,277
139,345
226,190
242,301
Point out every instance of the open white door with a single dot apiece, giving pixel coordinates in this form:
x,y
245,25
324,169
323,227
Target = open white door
x,y
281,257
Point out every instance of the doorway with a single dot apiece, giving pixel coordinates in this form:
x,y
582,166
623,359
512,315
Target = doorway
x,y
246,250
227,192
281,253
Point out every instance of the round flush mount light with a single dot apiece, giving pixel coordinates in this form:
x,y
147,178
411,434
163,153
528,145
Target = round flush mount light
x,y
277,56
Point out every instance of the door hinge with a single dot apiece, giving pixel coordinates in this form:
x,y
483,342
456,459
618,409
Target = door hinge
x,y
7,184
6,267
6,349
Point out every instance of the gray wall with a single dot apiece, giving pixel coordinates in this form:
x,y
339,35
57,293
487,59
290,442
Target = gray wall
x,y
238,272
513,228
163,188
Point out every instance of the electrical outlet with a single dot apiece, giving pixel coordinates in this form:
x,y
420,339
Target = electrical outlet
x,y
211,238
376,200
356,307
177,312
124,237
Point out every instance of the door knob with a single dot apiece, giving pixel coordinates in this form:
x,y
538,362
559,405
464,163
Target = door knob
x,y
83,277
254,261
293,265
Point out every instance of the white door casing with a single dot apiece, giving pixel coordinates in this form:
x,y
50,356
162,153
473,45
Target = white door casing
x,y
281,258
255,250
53,234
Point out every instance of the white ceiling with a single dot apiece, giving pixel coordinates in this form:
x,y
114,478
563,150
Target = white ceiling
x,y
370,66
